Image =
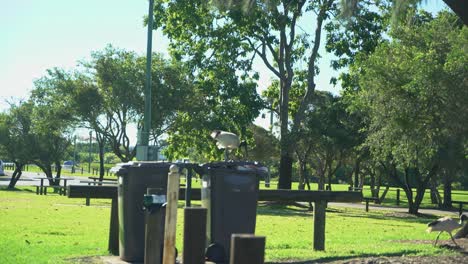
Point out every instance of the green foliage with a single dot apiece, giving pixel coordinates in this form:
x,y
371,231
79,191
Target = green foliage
x,y
220,43
414,100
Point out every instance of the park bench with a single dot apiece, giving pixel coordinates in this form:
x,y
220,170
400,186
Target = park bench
x,y
95,182
460,205
41,189
103,179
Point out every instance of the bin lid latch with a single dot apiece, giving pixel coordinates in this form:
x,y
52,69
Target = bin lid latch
x,y
153,202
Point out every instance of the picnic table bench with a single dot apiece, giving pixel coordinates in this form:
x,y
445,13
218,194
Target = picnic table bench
x,y
96,179
41,189
95,182
460,205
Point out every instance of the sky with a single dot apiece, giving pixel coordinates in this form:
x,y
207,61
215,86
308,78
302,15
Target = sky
x,y
36,35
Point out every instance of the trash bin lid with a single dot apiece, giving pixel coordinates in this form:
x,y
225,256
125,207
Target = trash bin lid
x,y
122,168
239,166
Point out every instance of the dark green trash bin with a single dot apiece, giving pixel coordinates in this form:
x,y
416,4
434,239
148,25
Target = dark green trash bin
x,y
230,193
134,178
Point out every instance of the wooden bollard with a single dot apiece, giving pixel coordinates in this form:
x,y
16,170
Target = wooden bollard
x,y
319,225
194,235
169,255
114,228
154,233
247,249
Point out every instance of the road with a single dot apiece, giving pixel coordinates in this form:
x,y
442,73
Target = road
x,y
29,178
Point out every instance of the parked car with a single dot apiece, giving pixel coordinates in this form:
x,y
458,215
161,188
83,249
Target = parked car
x,y
68,165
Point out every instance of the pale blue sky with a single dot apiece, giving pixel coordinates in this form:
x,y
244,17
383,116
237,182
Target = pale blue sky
x,y
39,34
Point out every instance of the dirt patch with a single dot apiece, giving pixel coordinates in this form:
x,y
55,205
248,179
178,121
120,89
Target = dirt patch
x,y
400,215
462,257
415,259
83,260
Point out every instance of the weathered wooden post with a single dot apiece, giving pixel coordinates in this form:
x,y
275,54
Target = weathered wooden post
x,y
188,188
114,228
247,249
319,224
194,235
154,222
169,254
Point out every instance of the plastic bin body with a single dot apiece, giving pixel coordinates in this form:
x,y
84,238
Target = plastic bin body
x,y
133,180
230,195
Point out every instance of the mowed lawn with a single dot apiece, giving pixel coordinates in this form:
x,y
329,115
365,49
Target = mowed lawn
x,y
56,229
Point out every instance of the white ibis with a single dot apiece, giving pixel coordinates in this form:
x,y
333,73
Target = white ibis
x,y
446,224
227,141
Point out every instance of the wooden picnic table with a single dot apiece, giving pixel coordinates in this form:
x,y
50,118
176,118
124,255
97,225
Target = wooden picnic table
x,y
103,179
42,189
320,198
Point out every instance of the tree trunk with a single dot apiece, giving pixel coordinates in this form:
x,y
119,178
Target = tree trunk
x,y
374,190
285,170
301,174
356,174
101,141
16,175
435,196
447,191
381,198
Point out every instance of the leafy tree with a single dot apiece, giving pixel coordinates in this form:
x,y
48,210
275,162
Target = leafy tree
x,y
413,90
15,138
227,36
51,123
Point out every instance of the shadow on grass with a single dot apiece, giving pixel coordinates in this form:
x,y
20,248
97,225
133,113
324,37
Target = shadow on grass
x,y
273,209
405,217
277,209
5,188
344,258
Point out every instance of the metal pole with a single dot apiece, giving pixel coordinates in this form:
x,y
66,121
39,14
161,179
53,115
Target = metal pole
x,y
90,144
74,154
142,151
147,124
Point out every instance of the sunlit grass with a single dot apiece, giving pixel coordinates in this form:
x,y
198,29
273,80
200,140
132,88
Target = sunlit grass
x,y
53,229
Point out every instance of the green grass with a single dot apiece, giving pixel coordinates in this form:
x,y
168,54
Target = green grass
x,y
56,229
66,172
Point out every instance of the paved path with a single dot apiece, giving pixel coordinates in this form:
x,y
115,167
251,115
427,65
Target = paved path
x,y
29,178
451,213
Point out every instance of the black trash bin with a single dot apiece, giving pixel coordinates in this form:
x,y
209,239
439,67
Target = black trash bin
x,y
230,193
134,178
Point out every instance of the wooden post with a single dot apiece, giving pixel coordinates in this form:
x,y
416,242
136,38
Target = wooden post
x,y
188,188
154,233
169,256
398,197
367,205
114,228
247,249
194,235
319,225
